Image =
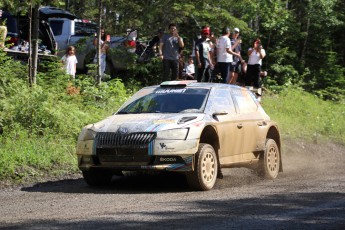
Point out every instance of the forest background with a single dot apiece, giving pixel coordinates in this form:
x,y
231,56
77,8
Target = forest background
x,y
305,62
304,40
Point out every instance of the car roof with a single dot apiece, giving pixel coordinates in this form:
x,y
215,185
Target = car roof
x,y
194,83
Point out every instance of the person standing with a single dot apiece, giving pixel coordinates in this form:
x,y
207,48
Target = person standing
x,y
190,69
70,61
236,62
169,51
204,55
224,54
255,54
104,49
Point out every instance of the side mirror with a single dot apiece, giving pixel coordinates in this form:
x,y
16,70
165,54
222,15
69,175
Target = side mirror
x,y
218,113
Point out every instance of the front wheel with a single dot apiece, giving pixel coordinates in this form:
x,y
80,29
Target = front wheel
x,y
206,167
269,163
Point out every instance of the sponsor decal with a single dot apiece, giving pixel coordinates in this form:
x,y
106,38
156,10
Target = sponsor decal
x,y
162,145
167,91
167,159
165,147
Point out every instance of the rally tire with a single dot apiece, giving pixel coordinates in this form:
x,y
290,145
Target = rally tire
x,y
205,171
269,163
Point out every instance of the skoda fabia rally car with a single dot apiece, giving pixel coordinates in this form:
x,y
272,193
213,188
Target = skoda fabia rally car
x,y
182,126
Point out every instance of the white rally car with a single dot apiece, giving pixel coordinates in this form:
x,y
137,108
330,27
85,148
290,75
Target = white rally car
x,y
182,126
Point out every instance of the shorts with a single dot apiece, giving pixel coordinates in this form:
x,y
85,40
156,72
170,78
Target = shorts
x,y
235,67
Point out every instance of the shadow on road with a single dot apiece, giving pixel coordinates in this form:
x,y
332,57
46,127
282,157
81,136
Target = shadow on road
x,y
132,184
138,184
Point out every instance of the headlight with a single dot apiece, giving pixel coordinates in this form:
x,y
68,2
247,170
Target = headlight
x,y
173,134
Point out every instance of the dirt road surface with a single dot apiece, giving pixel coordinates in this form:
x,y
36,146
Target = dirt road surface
x,y
309,194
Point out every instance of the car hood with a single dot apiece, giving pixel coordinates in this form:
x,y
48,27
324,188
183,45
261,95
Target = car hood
x,y
129,123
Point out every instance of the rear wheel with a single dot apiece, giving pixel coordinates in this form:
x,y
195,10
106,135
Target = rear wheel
x,y
206,167
97,178
269,163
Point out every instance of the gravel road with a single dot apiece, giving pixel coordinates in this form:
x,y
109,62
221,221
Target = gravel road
x,y
309,194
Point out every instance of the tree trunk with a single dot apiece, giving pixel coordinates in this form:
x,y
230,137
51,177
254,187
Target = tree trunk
x,y
34,41
29,48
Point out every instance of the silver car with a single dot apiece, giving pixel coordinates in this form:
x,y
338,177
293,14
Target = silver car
x,y
186,127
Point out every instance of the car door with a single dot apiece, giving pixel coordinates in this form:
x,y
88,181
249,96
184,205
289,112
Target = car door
x,y
250,119
222,107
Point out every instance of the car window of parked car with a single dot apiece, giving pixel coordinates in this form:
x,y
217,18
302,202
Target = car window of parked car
x,y
85,28
56,26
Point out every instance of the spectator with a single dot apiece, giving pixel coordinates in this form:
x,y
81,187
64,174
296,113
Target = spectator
x,y
224,54
255,54
104,49
70,61
235,67
155,40
169,51
204,55
190,69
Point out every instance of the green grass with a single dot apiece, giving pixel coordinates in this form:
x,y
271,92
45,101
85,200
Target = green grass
x,y
302,115
23,159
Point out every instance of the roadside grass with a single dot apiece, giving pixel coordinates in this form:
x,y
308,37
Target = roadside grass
x,y
303,115
25,159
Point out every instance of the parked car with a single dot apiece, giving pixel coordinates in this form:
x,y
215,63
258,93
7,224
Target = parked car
x,y
182,126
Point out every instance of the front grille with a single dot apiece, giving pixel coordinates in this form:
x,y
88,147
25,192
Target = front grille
x,y
141,139
132,147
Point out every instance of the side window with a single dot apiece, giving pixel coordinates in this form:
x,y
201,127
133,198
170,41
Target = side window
x,y
245,102
56,27
85,29
220,100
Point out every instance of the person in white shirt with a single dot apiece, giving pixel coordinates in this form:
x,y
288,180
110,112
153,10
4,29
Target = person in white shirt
x,y
190,69
70,61
255,54
224,54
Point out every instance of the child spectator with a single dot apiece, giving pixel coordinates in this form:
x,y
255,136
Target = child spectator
x,y
70,61
190,69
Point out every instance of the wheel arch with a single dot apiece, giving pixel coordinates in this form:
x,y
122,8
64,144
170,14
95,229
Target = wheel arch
x,y
210,136
273,133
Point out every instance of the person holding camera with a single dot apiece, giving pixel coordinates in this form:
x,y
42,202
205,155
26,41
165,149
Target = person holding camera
x,y
255,54
170,47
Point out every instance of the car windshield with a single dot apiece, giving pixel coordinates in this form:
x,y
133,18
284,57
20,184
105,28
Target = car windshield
x,y
169,100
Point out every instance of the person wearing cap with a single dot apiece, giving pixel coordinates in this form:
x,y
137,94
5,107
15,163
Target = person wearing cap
x,y
170,46
236,62
204,56
225,54
255,54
